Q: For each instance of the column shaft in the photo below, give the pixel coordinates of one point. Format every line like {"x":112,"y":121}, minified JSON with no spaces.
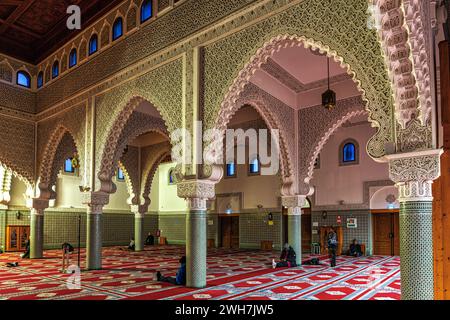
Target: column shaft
{"x":139,"y":232}
{"x":196,"y":248}
{"x":36,"y":234}
{"x":295,"y":234}
{"x":94,"y":241}
{"x":416,"y":254}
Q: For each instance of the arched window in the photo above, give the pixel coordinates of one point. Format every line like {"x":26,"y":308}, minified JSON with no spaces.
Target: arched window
{"x":171,"y":176}
{"x":40,"y":79}
{"x":120,"y":175}
{"x":23,"y":79}
{"x":117,"y":29}
{"x":68,"y":166}
{"x":93,"y":44}
{"x":231,"y":169}
{"x":254,"y":166}
{"x":146,"y":10}
{"x":55,"y":69}
{"x":73,"y":58}
{"x":349,"y":152}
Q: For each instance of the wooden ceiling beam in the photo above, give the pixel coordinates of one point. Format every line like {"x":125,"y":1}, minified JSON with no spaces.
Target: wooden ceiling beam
{"x":16,"y":14}
{"x":21,"y":29}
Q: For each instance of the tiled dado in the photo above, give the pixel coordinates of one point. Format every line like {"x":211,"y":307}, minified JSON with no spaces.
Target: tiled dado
{"x":60,"y":227}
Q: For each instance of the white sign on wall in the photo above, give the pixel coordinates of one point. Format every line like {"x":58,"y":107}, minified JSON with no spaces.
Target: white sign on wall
{"x":352,"y":223}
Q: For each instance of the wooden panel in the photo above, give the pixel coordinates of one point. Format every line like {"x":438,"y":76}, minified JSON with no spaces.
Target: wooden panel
{"x":306,"y":231}
{"x":16,"y":238}
{"x":230,"y":232}
{"x":324,"y":236}
{"x":382,"y":227}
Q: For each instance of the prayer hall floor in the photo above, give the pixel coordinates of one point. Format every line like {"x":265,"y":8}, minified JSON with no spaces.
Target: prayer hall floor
{"x":232,"y":274}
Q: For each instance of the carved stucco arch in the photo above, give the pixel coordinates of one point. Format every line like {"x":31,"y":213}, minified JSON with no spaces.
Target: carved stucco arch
{"x":128,"y":126}
{"x":17,"y":172}
{"x":60,"y":146}
{"x":263,"y":108}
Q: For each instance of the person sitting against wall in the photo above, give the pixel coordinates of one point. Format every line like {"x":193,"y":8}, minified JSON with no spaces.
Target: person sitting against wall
{"x":288,"y":258}
{"x":355,"y":249}
{"x":180,"y":279}
{"x":150,"y":239}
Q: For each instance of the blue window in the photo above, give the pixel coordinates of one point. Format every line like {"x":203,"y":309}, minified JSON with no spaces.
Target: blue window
{"x":73,"y":58}
{"x":146,"y":10}
{"x":231,"y":169}
{"x":23,"y":79}
{"x":68,"y":167}
{"x":55,"y":70}
{"x":40,"y":79}
{"x":349,"y":153}
{"x":120,"y":175}
{"x":117,"y":29}
{"x":93,"y":44}
{"x":171,"y":177}
{"x":254,"y":166}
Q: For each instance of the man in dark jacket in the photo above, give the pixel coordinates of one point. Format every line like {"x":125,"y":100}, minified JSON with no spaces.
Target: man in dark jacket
{"x":332,"y":246}
{"x":180,"y":279}
{"x":288,"y":258}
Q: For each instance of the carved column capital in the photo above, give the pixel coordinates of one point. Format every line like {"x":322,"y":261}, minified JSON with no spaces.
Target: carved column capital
{"x":95,"y":201}
{"x":38,"y":206}
{"x":413,"y":174}
{"x":293,"y":201}
{"x":196,"y":192}
{"x":139,"y":210}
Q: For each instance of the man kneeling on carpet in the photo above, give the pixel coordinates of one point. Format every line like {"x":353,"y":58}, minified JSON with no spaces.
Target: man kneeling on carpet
{"x":180,"y":279}
{"x":288,"y":258}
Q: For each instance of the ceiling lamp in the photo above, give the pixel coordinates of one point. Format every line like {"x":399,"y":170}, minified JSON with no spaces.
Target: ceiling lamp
{"x":329,"y":96}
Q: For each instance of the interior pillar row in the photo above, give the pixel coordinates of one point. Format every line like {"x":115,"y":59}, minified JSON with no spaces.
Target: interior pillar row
{"x":139,"y":216}
{"x":37,"y":228}
{"x":413,"y":174}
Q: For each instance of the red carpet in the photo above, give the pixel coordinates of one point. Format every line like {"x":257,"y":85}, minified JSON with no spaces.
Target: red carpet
{"x":232,"y":274}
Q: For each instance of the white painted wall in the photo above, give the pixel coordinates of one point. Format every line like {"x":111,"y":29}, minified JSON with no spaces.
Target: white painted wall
{"x":333,"y":182}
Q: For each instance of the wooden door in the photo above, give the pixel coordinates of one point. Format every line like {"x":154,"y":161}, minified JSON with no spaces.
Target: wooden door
{"x":386,"y":233}
{"x":230,"y":232}
{"x":306,"y":230}
{"x":16,"y":238}
{"x":324,"y":231}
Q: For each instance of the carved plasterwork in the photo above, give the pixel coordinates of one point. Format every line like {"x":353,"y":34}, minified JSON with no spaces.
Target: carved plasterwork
{"x":297,"y":201}
{"x":230,"y":62}
{"x":60,"y":146}
{"x":414,"y":173}
{"x":316,"y":126}
{"x":129,"y":126}
{"x":129,"y":163}
{"x":95,"y":201}
{"x":200,"y":189}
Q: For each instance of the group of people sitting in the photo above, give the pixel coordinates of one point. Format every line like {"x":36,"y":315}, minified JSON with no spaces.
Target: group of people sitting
{"x":150,"y":241}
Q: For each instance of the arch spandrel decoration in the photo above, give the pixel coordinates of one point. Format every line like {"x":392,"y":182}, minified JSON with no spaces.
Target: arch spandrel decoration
{"x":61,"y":145}
{"x":230,"y":62}
{"x":318,"y":126}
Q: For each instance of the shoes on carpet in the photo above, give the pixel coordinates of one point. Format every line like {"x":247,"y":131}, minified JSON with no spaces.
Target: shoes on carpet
{"x":158,"y":276}
{"x":12,"y":264}
{"x":274,"y":264}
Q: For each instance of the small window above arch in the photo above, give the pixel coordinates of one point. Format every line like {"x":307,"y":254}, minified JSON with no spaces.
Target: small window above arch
{"x":171,"y":177}
{"x":117,"y":29}
{"x":40,"y":79}
{"x":146,"y":10}
{"x":93,"y":44}
{"x":23,"y":79}
{"x":68,"y":166}
{"x":231,"y":170}
{"x":120,"y":175}
{"x":73,"y":58}
{"x":349,"y":153}
{"x":55,"y":69}
{"x":254,"y":167}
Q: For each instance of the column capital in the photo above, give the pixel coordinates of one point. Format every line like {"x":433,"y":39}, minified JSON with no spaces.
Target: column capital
{"x":95,"y":201}
{"x":139,"y":210}
{"x":293,"y":201}
{"x":38,"y":205}
{"x":414,"y":172}
{"x":201,"y":189}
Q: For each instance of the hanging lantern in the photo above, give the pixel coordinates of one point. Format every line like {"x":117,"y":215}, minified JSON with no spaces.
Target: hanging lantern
{"x":75,"y":161}
{"x":329,"y":96}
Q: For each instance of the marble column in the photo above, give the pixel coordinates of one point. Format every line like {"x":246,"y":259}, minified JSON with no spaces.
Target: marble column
{"x":37,"y":228}
{"x":413,"y":174}
{"x":196,"y":192}
{"x":294,"y":205}
{"x":139,"y":215}
{"x":95,"y":202}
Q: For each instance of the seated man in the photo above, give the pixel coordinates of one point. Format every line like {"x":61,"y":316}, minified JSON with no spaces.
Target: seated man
{"x":150,"y":239}
{"x":181,"y":274}
{"x":288,"y":258}
{"x":132,"y":245}
{"x":355,"y":249}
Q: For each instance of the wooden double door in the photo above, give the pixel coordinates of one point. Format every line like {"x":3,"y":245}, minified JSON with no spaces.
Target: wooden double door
{"x":386,"y":233}
{"x":229,"y":230}
{"x":16,"y":238}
